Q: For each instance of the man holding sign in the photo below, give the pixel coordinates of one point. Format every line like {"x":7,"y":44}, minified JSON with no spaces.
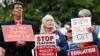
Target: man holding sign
{"x":20,"y":47}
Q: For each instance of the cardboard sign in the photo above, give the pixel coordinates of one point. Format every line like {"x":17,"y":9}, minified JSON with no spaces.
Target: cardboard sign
{"x":79,"y":30}
{"x":87,"y":51}
{"x":17,"y":32}
{"x":45,"y":45}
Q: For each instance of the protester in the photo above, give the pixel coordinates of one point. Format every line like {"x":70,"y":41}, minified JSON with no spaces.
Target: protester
{"x":48,"y":26}
{"x":94,"y":29}
{"x":22,"y":47}
{"x":85,"y":13}
{"x":68,"y":35}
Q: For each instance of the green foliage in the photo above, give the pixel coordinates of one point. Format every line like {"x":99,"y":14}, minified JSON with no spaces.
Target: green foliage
{"x":61,"y":10}
{"x":96,"y":11}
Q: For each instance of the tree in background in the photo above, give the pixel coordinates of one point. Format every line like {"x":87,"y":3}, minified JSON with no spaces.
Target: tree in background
{"x":96,"y":12}
{"x":62,"y":10}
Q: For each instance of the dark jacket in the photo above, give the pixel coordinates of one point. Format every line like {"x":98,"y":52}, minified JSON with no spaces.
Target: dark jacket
{"x":61,"y":42}
{"x":11,"y":50}
{"x":96,"y":37}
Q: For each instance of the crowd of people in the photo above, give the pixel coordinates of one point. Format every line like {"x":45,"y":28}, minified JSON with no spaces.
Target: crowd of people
{"x":48,"y":26}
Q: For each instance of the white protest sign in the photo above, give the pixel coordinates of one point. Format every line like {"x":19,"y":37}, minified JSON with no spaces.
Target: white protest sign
{"x":45,"y":45}
{"x":79,"y":29}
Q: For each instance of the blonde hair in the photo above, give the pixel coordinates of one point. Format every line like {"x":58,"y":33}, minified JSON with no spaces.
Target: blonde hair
{"x":42,"y":30}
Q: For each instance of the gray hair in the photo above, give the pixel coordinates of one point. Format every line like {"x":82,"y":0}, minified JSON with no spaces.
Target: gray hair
{"x":42,"y":30}
{"x":84,"y":11}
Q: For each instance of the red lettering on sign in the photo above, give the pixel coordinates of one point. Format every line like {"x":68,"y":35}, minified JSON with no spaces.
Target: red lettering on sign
{"x":44,"y":38}
{"x":81,"y":28}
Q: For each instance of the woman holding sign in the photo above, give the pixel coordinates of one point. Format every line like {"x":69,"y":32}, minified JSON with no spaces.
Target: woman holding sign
{"x":95,"y":29}
{"x":49,"y":26}
{"x":85,"y":13}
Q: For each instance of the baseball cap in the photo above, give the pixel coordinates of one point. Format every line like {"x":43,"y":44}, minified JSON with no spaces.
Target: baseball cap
{"x":69,"y":30}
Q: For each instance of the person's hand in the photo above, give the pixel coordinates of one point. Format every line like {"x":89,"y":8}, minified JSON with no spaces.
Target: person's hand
{"x":80,"y":46}
{"x":2,"y":51}
{"x":34,"y":48}
{"x":58,"y":48}
{"x":20,"y":43}
{"x":90,"y":29}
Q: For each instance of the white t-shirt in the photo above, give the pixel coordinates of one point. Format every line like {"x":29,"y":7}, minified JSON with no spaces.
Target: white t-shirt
{"x":69,"y":42}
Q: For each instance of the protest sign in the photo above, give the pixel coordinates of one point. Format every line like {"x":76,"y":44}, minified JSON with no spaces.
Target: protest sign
{"x":45,"y":45}
{"x":17,"y":32}
{"x":79,"y":30}
{"x":87,"y":51}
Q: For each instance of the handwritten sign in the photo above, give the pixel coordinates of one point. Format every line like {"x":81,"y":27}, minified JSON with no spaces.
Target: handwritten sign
{"x":45,"y":45}
{"x":87,"y":51}
{"x":79,"y":30}
{"x":17,"y":32}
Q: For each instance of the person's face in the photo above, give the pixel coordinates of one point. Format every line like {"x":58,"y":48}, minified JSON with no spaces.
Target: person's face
{"x":49,"y":23}
{"x":17,"y":11}
{"x":83,"y":15}
{"x":69,"y":34}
